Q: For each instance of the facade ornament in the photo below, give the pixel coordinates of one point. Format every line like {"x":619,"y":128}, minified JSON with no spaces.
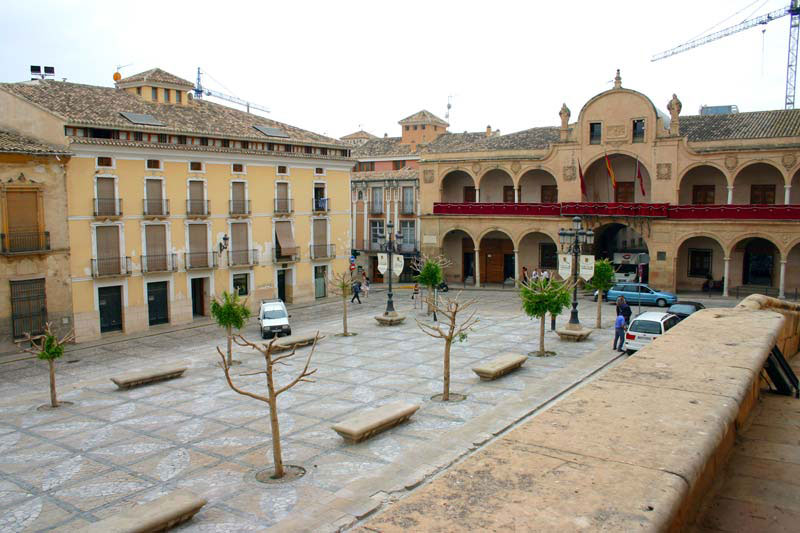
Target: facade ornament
{"x":674,"y":107}
{"x":515,"y":167}
{"x":615,"y":131}
{"x":788,"y":161}
{"x":476,"y":167}
{"x":731,"y":162}
{"x":427,"y":176}
{"x":569,"y":173}
{"x":664,"y":171}
{"x":618,"y":81}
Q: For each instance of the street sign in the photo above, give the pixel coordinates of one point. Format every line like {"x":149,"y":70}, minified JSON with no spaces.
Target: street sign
{"x":352,"y":267}
{"x":383,"y":263}
{"x":586,"y":267}
{"x":352,"y":259}
{"x":397,"y":264}
{"x":565,"y":265}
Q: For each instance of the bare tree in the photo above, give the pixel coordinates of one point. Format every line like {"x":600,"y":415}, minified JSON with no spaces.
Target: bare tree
{"x":342,"y":284}
{"x":267,"y":350}
{"x":47,"y":347}
{"x":449,"y":310}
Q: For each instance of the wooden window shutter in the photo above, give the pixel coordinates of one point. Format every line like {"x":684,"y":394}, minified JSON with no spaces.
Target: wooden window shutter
{"x":237,"y":189}
{"x":283,"y":191}
{"x":156,"y":236}
{"x":320,"y":231}
{"x":239,"y":236}
{"x":107,"y":242}
{"x":153,"y":189}
{"x":198,"y":238}
{"x":196,"y":190}
{"x":105,"y":188}
{"x":23,"y":211}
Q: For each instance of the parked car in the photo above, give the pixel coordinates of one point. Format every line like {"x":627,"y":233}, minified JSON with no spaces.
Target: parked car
{"x":646,"y":327}
{"x":684,"y":309}
{"x":274,"y":319}
{"x":633,"y":292}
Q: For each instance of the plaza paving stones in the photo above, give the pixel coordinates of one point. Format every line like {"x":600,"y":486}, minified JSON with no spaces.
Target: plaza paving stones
{"x":63,"y":468}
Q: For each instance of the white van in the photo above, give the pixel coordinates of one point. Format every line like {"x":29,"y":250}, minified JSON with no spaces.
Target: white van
{"x":646,"y":327}
{"x":274,"y":319}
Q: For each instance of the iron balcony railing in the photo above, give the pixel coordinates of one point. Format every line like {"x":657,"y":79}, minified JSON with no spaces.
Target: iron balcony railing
{"x":108,"y":207}
{"x":195,"y":260}
{"x":242,"y":257}
{"x":111,"y":266}
{"x":407,"y":247}
{"x":283,"y":205}
{"x":160,"y":263}
{"x":323,"y":251}
{"x":320,"y":205}
{"x":197,"y":208}
{"x":155,"y":208}
{"x":286,"y":255}
{"x":24,"y":242}
{"x":239,"y":207}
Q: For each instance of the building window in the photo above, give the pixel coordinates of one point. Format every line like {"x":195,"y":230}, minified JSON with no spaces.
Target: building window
{"x":423,"y":126}
{"x":375,"y":232}
{"x":407,"y":230}
{"x":178,"y":97}
{"x":154,"y":94}
{"x":594,"y":132}
{"x":154,"y":164}
{"x":407,"y":128}
{"x":762,"y":194}
{"x":624,"y":193}
{"x":308,"y":150}
{"x":469,"y":194}
{"x":282,"y":170}
{"x":238,"y":168}
{"x":638,"y":131}
{"x":105,"y":162}
{"x":181,"y":139}
{"x":415,"y":127}
{"x":397,"y":165}
{"x":166,"y":95}
{"x":548,"y":255}
{"x":203,"y":141}
{"x":226,"y":143}
{"x":240,"y":284}
{"x":137,"y":136}
{"x":163,"y":138}
{"x":368,"y":166}
{"x":245,"y":145}
{"x":324,"y":151}
{"x":408,"y":200}
{"x":319,"y":171}
{"x":549,"y":194}
{"x":703,"y":194}
{"x":139,"y":91}
{"x":377,"y":200}
{"x":699,"y":263}
{"x":196,"y":166}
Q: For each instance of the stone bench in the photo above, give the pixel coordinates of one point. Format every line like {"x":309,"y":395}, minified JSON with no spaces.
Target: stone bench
{"x":134,"y":379}
{"x":364,"y":425}
{"x":499,"y":366}
{"x":286,"y":343}
{"x":158,"y":515}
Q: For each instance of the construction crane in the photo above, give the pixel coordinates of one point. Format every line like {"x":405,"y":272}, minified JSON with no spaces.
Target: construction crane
{"x":793,"y":10}
{"x":199,"y":91}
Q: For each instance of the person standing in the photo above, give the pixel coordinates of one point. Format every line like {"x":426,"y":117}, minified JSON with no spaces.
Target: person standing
{"x":546,"y":275}
{"x":356,"y":292}
{"x":365,"y":285}
{"x":624,"y":309}
{"x":535,"y":275}
{"x":524,"y":274}
{"x":619,"y":333}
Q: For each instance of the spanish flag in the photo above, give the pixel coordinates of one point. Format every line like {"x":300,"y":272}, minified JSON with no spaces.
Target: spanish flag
{"x":610,"y":172}
{"x":583,"y":181}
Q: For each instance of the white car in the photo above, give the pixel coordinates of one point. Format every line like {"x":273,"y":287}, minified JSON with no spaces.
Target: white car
{"x":646,"y":327}
{"x":274,"y":319}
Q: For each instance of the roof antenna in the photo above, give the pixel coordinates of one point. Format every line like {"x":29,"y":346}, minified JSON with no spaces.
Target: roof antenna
{"x":449,"y":105}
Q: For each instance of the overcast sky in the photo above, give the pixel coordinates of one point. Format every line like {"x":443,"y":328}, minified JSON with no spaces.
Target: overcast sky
{"x":335,"y":67}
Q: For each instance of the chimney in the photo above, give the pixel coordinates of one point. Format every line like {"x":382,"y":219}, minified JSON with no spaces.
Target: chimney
{"x":488,"y":131}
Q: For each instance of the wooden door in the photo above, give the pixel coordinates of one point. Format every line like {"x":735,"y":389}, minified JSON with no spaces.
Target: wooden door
{"x":508,"y":194}
{"x":624,"y":192}
{"x":469,"y":194}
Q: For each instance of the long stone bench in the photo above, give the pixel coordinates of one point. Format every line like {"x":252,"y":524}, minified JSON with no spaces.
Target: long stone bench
{"x":499,"y":366}
{"x":637,"y":449}
{"x":284,"y":344}
{"x":134,"y":379}
{"x":364,"y":425}
{"x":160,"y":514}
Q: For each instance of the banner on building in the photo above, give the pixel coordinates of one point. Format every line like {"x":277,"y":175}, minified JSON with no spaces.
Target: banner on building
{"x":565,"y":266}
{"x":586,"y":270}
{"x":383,"y":263}
{"x":398,"y":262}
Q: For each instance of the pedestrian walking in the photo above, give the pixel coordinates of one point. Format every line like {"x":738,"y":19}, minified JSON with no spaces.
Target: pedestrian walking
{"x":619,"y":333}
{"x":356,"y":292}
{"x":546,"y":275}
{"x":415,"y":292}
{"x":365,"y":285}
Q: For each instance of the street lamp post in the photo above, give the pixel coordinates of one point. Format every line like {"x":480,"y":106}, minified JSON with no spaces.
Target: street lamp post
{"x":571,"y":241}
{"x":390,"y":247}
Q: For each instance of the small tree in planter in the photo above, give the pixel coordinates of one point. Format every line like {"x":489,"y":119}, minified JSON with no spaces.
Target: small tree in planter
{"x":602,"y":280}
{"x":273,"y":391}
{"x":430,"y":274}
{"x":47,"y":347}
{"x":230,"y":312}
{"x":342,"y":284}
{"x":540,"y":297}
{"x":449,"y":309}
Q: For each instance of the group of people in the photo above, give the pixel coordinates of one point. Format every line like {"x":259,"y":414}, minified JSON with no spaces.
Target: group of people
{"x":621,"y":323}
{"x":536,"y":275}
{"x":359,"y":287}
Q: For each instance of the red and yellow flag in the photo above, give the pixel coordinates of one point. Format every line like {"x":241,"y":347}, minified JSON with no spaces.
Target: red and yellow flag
{"x":610,"y":172}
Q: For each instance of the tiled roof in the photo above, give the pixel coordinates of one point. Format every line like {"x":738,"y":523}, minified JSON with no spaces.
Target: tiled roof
{"x":360,"y":134}
{"x":386,"y":147}
{"x":158,"y":76}
{"x":19,"y":144}
{"x":531,"y":139}
{"x":425,"y":117}
{"x":377,"y":175}
{"x":752,"y":125}
{"x":96,"y":106}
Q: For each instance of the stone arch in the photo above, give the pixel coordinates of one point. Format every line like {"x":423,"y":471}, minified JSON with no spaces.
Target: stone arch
{"x":754,"y":260}
{"x":460,"y":253}
{"x":711,"y":235}
{"x":698,"y":256}
{"x":717,"y":166}
{"x":534,"y":166}
{"x":537,"y":249}
{"x":496,"y":258}
{"x":493,"y":184}
{"x":458,"y":228}
{"x":750,"y":235}
{"x":598,"y":186}
{"x":693,"y":176}
{"x":553,"y":236}
{"x":487,"y":231}
{"x":757,"y":173}
{"x":532,"y":184}
{"x":453,"y":184}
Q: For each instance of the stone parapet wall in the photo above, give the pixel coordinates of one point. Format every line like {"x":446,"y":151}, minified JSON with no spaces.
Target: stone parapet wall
{"x":635,"y":450}
{"x":789,"y":337}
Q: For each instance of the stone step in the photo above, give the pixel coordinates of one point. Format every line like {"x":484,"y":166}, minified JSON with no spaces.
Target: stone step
{"x":366,"y":424}
{"x":499,"y":366}
{"x":160,"y":514}
{"x":134,"y":379}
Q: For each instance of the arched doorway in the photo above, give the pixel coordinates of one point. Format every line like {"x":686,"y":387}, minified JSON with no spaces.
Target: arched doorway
{"x":496,"y":186}
{"x":458,"y":187}
{"x":538,"y":186}
{"x":699,"y":259}
{"x":496,"y":258}
{"x":792,"y":283}
{"x":459,"y":248}
{"x":537,"y":251}
{"x":628,"y":190}
{"x":794,"y":193}
{"x":758,"y":183}
{"x":703,"y":185}
{"x":755,"y":261}
{"x":625,"y":247}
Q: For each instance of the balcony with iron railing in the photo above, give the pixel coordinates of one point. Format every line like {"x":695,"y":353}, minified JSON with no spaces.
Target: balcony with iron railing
{"x":320,"y":205}
{"x":160,"y":263}
{"x":286,"y":255}
{"x":322,"y":251}
{"x":242,"y":257}
{"x":155,"y":208}
{"x":407,"y":246}
{"x":24,"y":242}
{"x":283,"y":206}
{"x":239,"y":208}
{"x":111,"y":266}
{"x":197,"y":208}
{"x":107,"y":207}
{"x":200,"y":260}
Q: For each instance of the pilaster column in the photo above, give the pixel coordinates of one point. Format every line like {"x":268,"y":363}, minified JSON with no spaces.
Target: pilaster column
{"x":787,"y":193}
{"x":730,"y":194}
{"x":353,"y":223}
{"x":726,"y":276}
{"x":477,"y":268}
{"x":477,"y":194}
{"x":397,"y":210}
{"x":366,"y":238}
{"x":516,"y":195}
{"x":516,"y":267}
{"x":782,"y":286}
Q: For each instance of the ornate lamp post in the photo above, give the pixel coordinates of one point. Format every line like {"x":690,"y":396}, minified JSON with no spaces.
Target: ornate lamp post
{"x":389,"y":245}
{"x":571,"y":241}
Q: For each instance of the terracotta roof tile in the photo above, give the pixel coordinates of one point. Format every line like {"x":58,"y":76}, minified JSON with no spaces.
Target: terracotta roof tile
{"x":402,"y":174}
{"x":19,"y":144}
{"x":158,"y":76}
{"x":425,"y":117}
{"x":751,"y":125}
{"x":531,"y":139}
{"x":360,"y":134}
{"x":385,"y":147}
